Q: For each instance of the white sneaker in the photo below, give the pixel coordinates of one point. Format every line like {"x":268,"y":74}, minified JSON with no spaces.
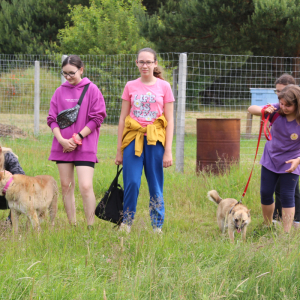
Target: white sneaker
{"x":276,"y":222}
{"x":124,"y":227}
{"x":296,"y":225}
{"x":157,"y":230}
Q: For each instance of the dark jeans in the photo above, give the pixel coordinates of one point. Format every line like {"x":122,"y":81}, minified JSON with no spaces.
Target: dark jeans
{"x":3,"y":203}
{"x":278,"y":208}
{"x":268,"y":183}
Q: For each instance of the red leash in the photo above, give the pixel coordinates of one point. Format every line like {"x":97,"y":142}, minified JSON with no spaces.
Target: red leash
{"x":263,"y":122}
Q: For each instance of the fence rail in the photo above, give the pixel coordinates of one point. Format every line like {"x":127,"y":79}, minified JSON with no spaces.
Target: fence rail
{"x":213,"y":86}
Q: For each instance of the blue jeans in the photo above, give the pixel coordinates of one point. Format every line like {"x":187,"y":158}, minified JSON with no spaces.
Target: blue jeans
{"x":288,"y":183}
{"x":152,"y":161}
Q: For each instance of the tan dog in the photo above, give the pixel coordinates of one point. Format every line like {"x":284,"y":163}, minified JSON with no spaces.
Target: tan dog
{"x":231,"y":214}
{"x":32,"y":196}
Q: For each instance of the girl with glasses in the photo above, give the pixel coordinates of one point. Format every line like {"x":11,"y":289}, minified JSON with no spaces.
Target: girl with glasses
{"x":76,"y":145}
{"x":145,"y":135}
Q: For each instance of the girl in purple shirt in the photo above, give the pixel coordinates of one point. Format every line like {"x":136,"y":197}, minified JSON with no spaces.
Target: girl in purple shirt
{"x":281,"y":156}
{"x":76,"y":145}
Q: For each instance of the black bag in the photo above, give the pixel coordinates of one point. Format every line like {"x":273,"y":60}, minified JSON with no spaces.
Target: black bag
{"x":68,"y":116}
{"x":110,"y":207}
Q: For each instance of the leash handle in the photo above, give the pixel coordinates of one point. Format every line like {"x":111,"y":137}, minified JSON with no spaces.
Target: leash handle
{"x":265,"y":121}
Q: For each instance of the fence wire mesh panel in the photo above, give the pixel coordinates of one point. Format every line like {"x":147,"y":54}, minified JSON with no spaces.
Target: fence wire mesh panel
{"x":109,"y":72}
{"x":217,"y":86}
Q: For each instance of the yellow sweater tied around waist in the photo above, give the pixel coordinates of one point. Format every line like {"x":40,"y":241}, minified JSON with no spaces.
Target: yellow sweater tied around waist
{"x":133,"y":130}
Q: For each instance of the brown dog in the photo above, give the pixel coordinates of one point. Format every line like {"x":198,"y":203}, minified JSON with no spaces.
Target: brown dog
{"x":32,"y":196}
{"x":231,"y":214}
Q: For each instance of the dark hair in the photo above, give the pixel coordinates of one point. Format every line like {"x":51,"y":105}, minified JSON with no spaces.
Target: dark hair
{"x":73,"y":60}
{"x":157,"y":72}
{"x":285,"y":79}
{"x":291,"y":94}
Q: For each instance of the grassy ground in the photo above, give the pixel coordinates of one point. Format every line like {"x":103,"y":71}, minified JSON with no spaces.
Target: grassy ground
{"x":190,"y":260}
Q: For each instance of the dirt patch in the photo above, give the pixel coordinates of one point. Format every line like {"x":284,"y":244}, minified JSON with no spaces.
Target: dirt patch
{"x":11,"y":131}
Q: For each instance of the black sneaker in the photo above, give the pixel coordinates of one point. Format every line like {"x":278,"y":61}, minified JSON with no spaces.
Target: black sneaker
{"x":8,"y":219}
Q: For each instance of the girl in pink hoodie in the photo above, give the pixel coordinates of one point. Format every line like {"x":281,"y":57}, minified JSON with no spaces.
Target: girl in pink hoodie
{"x":76,"y":145}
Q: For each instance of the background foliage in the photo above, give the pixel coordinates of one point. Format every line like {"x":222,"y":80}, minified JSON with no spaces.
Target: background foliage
{"x":263,"y":27}
{"x":106,"y":27}
{"x":258,"y":27}
{"x":31,"y":26}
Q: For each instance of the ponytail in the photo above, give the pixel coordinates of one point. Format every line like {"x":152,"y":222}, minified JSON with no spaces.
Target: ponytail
{"x":157,"y":72}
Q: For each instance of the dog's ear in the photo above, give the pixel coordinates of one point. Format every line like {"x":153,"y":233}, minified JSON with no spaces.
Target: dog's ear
{"x":249,"y":212}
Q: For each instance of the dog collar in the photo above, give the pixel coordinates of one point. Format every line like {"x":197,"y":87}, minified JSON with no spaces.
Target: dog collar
{"x":7,"y":185}
{"x":234,"y":206}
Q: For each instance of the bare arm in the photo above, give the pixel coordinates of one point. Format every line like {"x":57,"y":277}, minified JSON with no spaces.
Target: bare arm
{"x":256,"y":110}
{"x":125,"y":110}
{"x":167,"y":158}
{"x":84,"y":132}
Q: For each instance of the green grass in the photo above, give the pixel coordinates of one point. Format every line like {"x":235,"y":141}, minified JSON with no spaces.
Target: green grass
{"x":190,"y":260}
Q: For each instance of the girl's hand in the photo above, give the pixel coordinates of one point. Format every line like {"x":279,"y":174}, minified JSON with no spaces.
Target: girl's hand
{"x":295,"y":162}
{"x":68,"y":145}
{"x":270,"y":109}
{"x":6,"y":172}
{"x":119,"y":158}
{"x":167,"y":159}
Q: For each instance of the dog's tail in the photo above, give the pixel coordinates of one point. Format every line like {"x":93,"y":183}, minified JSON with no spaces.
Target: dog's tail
{"x":214,"y":196}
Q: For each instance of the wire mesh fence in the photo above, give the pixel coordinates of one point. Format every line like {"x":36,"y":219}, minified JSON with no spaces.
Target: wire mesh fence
{"x":217,"y":86}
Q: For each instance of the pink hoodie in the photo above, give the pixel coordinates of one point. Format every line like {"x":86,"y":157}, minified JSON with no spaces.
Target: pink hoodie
{"x":91,"y":114}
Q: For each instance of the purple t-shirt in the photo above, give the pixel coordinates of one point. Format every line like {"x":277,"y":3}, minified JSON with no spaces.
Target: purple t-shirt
{"x":285,"y":145}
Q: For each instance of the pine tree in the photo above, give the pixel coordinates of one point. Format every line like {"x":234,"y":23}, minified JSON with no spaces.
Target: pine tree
{"x":31,"y":26}
{"x":261,"y":27}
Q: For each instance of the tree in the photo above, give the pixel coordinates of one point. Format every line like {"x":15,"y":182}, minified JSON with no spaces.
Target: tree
{"x":264,"y":27}
{"x":30,"y":26}
{"x":106,"y":27}
{"x":152,"y":6}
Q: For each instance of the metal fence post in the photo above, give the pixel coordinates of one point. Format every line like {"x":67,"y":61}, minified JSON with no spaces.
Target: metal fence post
{"x":175,"y":93}
{"x":181,"y":112}
{"x":63,"y":79}
{"x":36,"y":98}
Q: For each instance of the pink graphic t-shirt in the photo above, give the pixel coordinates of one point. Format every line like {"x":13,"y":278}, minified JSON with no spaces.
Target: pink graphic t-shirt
{"x":147,"y":101}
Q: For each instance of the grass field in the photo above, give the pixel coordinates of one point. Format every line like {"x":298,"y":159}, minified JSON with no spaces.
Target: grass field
{"x":190,"y":260}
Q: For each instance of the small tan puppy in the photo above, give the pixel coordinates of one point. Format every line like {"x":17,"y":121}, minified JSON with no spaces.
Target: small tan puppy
{"x":32,"y":196}
{"x":231,"y":214}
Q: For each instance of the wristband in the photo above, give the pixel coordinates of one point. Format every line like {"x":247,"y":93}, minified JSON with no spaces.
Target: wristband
{"x":75,"y":140}
{"x":80,"y":135}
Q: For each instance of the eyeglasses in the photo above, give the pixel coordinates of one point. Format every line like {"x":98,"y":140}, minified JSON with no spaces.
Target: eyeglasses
{"x":71,"y":74}
{"x":148,"y":63}
{"x":277,"y":91}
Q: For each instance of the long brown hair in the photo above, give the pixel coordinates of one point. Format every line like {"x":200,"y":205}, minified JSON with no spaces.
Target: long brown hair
{"x":157,"y":72}
{"x":291,"y":94}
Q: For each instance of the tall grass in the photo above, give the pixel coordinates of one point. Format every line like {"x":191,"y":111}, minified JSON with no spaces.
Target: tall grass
{"x":190,"y":260}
